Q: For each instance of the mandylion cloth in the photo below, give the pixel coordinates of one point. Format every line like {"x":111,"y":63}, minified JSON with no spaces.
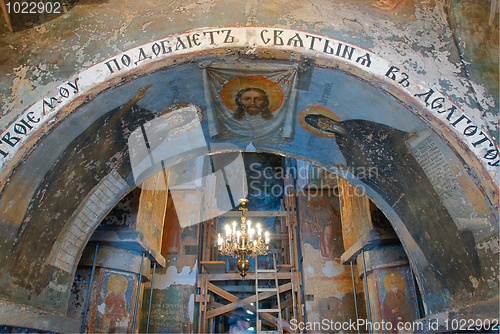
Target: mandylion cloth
{"x":250,"y":101}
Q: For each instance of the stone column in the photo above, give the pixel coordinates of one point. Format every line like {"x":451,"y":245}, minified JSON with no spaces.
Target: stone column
{"x":375,"y":249}
{"x":115,"y":288}
{"x":126,"y":248}
{"x":391,"y":289}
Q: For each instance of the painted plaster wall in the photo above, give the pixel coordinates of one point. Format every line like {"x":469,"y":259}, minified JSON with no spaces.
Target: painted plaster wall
{"x":420,"y":36}
{"x":102,"y":134}
{"x":36,"y":60}
{"x":328,"y":286}
{"x":172,"y":303}
{"x":416,"y":34}
{"x":400,"y":30}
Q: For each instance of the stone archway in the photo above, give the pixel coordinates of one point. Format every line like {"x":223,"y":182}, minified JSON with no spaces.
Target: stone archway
{"x":66,"y":160}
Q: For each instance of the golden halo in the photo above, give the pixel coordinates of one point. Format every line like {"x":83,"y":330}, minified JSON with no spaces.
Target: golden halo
{"x":117,"y":283}
{"x":232,"y":88}
{"x":396,"y":278}
{"x":318,"y":110}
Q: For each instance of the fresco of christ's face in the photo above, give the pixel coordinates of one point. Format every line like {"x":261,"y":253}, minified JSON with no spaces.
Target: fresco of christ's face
{"x":253,"y":102}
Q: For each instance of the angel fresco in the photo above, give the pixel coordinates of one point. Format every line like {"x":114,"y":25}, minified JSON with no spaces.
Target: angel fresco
{"x":400,"y":180}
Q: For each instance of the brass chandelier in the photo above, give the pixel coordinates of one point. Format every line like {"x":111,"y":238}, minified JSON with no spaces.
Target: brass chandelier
{"x":239,"y":243}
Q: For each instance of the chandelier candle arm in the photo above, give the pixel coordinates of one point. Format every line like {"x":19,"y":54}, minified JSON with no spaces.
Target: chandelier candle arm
{"x":239,"y":244}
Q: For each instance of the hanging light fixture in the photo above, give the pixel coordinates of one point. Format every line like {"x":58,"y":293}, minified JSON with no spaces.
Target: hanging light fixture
{"x":244,"y":241}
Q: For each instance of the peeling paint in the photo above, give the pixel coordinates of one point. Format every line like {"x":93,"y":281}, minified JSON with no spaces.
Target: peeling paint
{"x":415,"y":34}
{"x":185,"y":277}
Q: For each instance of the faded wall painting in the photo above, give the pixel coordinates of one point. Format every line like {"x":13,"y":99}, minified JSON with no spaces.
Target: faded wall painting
{"x":170,"y":310}
{"x":250,"y":103}
{"x":112,"y":311}
{"x":179,"y":244}
{"x":476,"y":28}
{"x":392,"y":296}
{"x":321,"y":178}
{"x":396,"y":306}
{"x":327,"y":283}
{"x":321,"y":225}
{"x":378,"y":154}
{"x":353,"y":132}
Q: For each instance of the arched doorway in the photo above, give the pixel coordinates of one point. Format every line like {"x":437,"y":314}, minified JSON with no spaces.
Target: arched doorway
{"x":328,"y":111}
{"x":320,"y":226}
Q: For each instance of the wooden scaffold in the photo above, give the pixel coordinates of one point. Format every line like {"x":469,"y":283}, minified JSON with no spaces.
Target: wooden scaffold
{"x":221,"y":292}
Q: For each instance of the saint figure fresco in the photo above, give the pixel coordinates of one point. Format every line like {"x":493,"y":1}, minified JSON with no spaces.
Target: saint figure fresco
{"x":396,"y":306}
{"x":323,"y":222}
{"x":401,"y":181}
{"x":116,"y":317}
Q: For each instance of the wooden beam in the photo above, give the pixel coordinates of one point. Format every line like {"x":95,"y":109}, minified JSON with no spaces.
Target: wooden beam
{"x":223,"y":293}
{"x":254,"y":214}
{"x":248,"y":289}
{"x":214,"y":304}
{"x":203,"y":306}
{"x":236,"y":302}
{"x":285,"y":287}
{"x":6,"y":15}
{"x":244,"y":303}
{"x":284,"y":268}
{"x":214,"y":267}
{"x":286,"y":303}
{"x":235,"y":276}
{"x":240,"y":288}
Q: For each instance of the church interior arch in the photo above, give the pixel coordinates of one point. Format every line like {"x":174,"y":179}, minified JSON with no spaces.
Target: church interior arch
{"x":325,"y":103}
